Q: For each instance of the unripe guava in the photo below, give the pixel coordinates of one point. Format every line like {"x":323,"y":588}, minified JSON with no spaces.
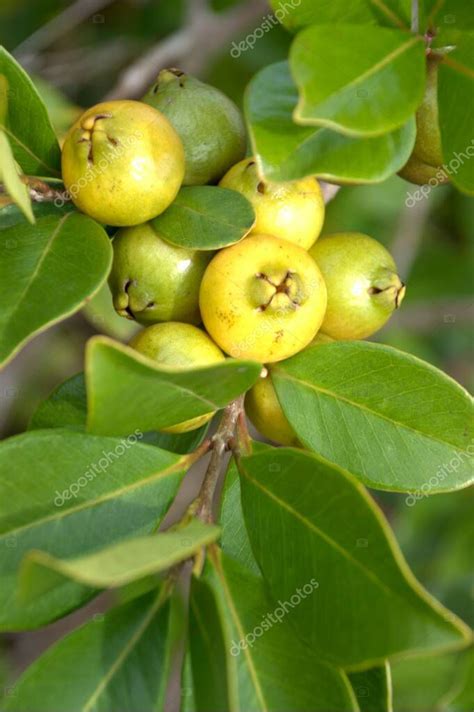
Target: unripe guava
{"x":152,"y":280}
{"x":264,"y":410}
{"x":210,"y":125}
{"x":292,"y":211}
{"x":362,"y":284}
{"x":181,"y":347}
{"x":426,"y":161}
{"x":265,"y":413}
{"x":122,"y":163}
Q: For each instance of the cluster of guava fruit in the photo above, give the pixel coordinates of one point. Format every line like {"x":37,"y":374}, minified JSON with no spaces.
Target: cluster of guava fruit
{"x":278,"y":291}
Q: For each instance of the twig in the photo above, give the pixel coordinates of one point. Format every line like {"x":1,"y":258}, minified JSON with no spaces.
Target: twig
{"x":221,"y":442}
{"x":72,"y":16}
{"x":41,"y":192}
{"x":204,"y":33}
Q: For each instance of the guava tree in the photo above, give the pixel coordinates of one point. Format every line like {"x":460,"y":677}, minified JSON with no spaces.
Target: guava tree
{"x":285,"y":588}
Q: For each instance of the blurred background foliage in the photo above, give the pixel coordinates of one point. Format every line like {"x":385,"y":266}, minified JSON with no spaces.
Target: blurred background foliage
{"x":432,"y":241}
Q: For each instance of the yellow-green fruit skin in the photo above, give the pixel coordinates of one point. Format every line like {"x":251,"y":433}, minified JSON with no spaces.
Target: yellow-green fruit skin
{"x":425,"y":163}
{"x":362,"y":284}
{"x":181,"y":347}
{"x":153,"y":281}
{"x":292,"y":211}
{"x":210,"y":125}
{"x":265,"y":413}
{"x":122,"y":163}
{"x":262,"y":299}
{"x":415,"y":171}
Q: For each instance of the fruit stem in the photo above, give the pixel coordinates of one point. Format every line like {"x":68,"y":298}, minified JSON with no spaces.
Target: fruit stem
{"x":221,"y":443}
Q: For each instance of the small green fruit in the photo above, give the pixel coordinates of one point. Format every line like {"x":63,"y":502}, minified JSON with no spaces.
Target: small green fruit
{"x":426,"y":160}
{"x":209,"y":124}
{"x":154,"y":281}
{"x":292,"y":211}
{"x":181,"y":347}
{"x":264,"y":410}
{"x":265,"y":413}
{"x":122,"y":163}
{"x":362,"y":284}
{"x":415,"y":171}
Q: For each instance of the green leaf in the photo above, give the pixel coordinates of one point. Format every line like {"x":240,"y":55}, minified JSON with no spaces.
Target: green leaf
{"x":47,"y":272}
{"x":449,"y":14}
{"x":9,"y":173}
{"x":287,"y":151}
{"x":300,"y":14}
{"x":66,"y":407}
{"x":462,"y":696}
{"x":456,"y":112}
{"x":11,"y":215}
{"x":358,"y":80}
{"x":420,"y":684}
{"x":115,"y":565}
{"x":115,"y":662}
{"x":373,"y":689}
{"x":245,"y":655}
{"x":181,"y":443}
{"x":28,"y":127}
{"x":71,"y":494}
{"x":392,"y":420}
{"x":10,"y":178}
{"x":127,"y":390}
{"x":206,"y":217}
{"x":235,"y":542}
{"x":188,"y":703}
{"x":307,"y":519}
{"x":310,"y":12}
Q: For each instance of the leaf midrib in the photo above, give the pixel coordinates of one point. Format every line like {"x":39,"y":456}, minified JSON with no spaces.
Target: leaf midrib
{"x":28,"y":150}
{"x":171,"y":470}
{"x":47,"y":248}
{"x":390,"y":14}
{"x":124,"y":653}
{"x":71,"y":568}
{"x":238,"y":624}
{"x":376,"y":414}
{"x":302,"y":103}
{"x":329,"y":540}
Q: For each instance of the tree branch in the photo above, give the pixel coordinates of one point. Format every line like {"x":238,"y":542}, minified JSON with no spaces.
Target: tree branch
{"x":72,"y":16}
{"x":204,"y":33}
{"x":221,"y":443}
